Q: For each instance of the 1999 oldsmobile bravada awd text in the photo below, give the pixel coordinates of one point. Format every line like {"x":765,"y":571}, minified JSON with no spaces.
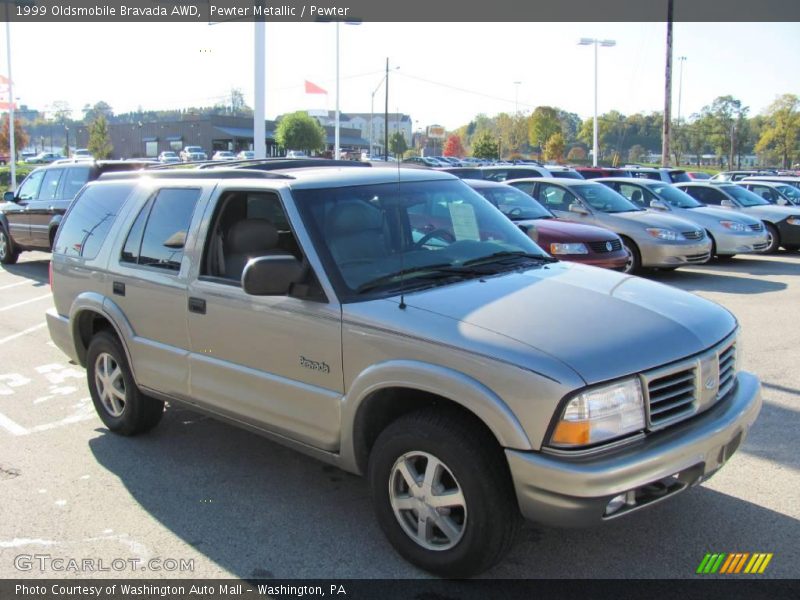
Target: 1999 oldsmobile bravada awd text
{"x":468,"y":374}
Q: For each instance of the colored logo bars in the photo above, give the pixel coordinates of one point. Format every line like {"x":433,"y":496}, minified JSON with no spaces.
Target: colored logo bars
{"x":731,"y":564}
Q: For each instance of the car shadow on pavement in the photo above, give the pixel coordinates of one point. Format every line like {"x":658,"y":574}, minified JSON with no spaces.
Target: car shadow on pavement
{"x":709,"y":281}
{"x":259,"y":510}
{"x":32,"y":269}
{"x":772,"y":435}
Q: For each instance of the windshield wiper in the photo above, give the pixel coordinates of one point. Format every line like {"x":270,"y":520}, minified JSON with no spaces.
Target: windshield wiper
{"x":427,"y":272}
{"x":507,"y":255}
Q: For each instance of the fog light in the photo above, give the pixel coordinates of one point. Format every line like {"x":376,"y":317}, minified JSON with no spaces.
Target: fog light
{"x":615,"y":504}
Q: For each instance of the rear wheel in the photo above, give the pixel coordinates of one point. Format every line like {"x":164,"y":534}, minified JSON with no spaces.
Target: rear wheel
{"x":8,"y":255}
{"x":117,"y":399}
{"x":442,"y":493}
{"x":773,"y":239}
{"x":791,"y":247}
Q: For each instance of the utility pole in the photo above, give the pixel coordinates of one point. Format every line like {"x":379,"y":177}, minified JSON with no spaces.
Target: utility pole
{"x":386,"y":117}
{"x":680,"y":87}
{"x":667,"y":91}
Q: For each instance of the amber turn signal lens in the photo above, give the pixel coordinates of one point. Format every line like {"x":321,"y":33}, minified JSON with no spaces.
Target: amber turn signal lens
{"x":571,"y":433}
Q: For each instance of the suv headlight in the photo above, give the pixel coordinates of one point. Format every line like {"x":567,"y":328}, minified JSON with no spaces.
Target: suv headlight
{"x":601,"y":414}
{"x":793,"y":220}
{"x":734,"y":226}
{"x":666,"y":234}
{"x":568,"y":249}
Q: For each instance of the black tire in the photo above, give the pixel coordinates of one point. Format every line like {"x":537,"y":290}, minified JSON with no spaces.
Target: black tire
{"x":8,"y":254}
{"x":474,"y":464}
{"x":791,"y":247}
{"x":131,"y":414}
{"x":773,"y":237}
{"x":634,"y":264}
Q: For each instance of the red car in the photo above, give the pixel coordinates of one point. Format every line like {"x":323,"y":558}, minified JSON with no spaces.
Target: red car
{"x":585,"y":244}
{"x":597,"y":172}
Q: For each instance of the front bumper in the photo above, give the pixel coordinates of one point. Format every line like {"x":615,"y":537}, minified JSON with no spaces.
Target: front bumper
{"x":728,"y":243}
{"x":674,"y":254}
{"x":789,"y":234}
{"x":575,"y":491}
{"x":611,"y":260}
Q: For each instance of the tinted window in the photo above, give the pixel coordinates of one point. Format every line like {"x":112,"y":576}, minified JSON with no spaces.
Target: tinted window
{"x":165,"y":230}
{"x":604,"y":199}
{"x":706,"y":195}
{"x":745,"y":197}
{"x":675,"y":197}
{"x":89,"y":219}
{"x":133,"y":243}
{"x":636,"y":194}
{"x":49,"y":187}
{"x":555,"y":197}
{"x":29,"y":189}
{"x":566,"y":175}
{"x":515,"y":204}
{"x":678,"y":176}
{"x":74,"y":180}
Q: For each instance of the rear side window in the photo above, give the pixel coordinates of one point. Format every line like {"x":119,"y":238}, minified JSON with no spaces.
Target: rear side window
{"x":679,"y":177}
{"x":89,"y":219}
{"x":158,"y":235}
{"x":74,"y":180}
{"x":49,"y":189}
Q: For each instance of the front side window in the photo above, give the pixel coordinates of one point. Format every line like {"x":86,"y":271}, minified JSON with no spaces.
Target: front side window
{"x":745,"y":197}
{"x":636,"y":194}
{"x":675,"y":196}
{"x":554,"y":197}
{"x":158,"y":234}
{"x":29,"y":190}
{"x":378,"y":239}
{"x":89,"y":219}
{"x":603,"y":198}
{"x":515,"y":204}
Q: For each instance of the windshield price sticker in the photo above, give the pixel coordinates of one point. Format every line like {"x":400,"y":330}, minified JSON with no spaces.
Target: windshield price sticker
{"x":465,"y":223}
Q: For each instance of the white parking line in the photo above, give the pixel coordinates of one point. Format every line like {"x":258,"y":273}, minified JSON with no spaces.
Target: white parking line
{"x":12,"y":427}
{"x":25,"y":282}
{"x":21,"y":333}
{"x":10,"y":306}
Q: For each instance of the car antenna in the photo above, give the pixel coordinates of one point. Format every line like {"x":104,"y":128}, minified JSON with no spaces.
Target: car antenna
{"x":402,"y":305}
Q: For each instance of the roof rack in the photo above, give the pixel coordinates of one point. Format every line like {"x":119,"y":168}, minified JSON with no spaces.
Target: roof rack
{"x":280,"y":163}
{"x":194,"y":174}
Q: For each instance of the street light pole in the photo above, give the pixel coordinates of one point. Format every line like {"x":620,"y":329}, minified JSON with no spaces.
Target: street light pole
{"x":386,"y":117}
{"x":12,"y":151}
{"x":605,"y":44}
{"x":516,"y":97}
{"x":336,"y":151}
{"x":259,"y":76}
{"x":680,"y":87}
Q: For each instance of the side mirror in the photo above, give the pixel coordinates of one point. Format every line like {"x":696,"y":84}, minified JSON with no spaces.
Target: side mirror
{"x":658,"y":205}
{"x":272,"y":275}
{"x":578,"y":209}
{"x":9,"y":197}
{"x":727,"y":204}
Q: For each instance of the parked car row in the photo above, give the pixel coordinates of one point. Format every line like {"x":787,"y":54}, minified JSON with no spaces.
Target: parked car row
{"x":396,"y":324}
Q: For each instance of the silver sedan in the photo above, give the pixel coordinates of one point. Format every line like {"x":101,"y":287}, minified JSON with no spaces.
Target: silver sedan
{"x":730,"y":233}
{"x":652,"y":240}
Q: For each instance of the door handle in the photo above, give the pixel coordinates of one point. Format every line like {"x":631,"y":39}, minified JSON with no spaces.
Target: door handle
{"x":197,"y":305}
{"x":118,"y":288}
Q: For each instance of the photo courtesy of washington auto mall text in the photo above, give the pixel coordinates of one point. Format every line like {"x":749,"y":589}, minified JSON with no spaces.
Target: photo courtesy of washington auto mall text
{"x":201,"y":590}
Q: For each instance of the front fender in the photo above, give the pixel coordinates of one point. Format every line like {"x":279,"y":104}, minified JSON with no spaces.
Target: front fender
{"x":453,"y":385}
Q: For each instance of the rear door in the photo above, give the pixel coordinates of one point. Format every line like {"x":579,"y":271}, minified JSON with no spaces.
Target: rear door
{"x":41,"y":210}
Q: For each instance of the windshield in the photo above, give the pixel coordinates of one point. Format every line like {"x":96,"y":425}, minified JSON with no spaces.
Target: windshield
{"x":675,"y":197}
{"x":604,"y":199}
{"x":744,"y":197}
{"x":515,"y":204}
{"x":408,"y":235}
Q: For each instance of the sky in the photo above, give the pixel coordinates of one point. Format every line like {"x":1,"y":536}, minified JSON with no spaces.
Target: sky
{"x":441,"y":73}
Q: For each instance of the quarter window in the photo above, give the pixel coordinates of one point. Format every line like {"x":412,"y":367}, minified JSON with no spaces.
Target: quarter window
{"x":87,"y":223}
{"x":158,"y":235}
{"x":74,"y":180}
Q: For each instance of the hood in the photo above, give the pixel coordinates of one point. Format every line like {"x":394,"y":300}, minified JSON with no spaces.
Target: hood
{"x":772,"y":213}
{"x":568,"y":232}
{"x":648,"y":218}
{"x":599,"y":323}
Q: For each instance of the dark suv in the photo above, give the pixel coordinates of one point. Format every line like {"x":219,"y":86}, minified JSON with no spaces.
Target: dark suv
{"x":31,"y":215}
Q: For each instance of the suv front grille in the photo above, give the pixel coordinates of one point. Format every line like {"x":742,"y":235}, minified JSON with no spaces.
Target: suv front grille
{"x":672,"y":396}
{"x":693,"y":235}
{"x":677,"y":392}
{"x":603,"y":247}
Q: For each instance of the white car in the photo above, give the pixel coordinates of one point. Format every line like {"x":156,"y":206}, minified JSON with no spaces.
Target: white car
{"x":168,"y":156}
{"x":296,"y":154}
{"x":246,"y":155}
{"x":223,"y":155}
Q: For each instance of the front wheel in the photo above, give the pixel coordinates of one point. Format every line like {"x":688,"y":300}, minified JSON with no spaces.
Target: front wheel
{"x":634,"y":264}
{"x":773,"y":239}
{"x":117,"y":399}
{"x":442,"y":493}
{"x":8,"y":255}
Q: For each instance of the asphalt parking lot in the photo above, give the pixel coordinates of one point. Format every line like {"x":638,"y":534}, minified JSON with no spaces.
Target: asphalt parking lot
{"x":238,"y":505}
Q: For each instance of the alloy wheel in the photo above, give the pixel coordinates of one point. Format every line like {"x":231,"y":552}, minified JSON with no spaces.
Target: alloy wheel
{"x":110,"y":384}
{"x":427,"y":501}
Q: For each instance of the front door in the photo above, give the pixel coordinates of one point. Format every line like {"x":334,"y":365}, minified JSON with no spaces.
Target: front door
{"x":271,"y":361}
{"x":18,"y":218}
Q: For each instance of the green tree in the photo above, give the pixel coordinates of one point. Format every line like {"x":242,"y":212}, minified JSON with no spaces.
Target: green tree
{"x":576,"y":153}
{"x":298,"y":131}
{"x":636,"y":153}
{"x":781,"y":133}
{"x":542,"y":124}
{"x":554,"y":147}
{"x":397,"y":143}
{"x":99,"y":144}
{"x":20,"y":137}
{"x":484,"y":146}
{"x":90,"y":113}
{"x":720,"y":121}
